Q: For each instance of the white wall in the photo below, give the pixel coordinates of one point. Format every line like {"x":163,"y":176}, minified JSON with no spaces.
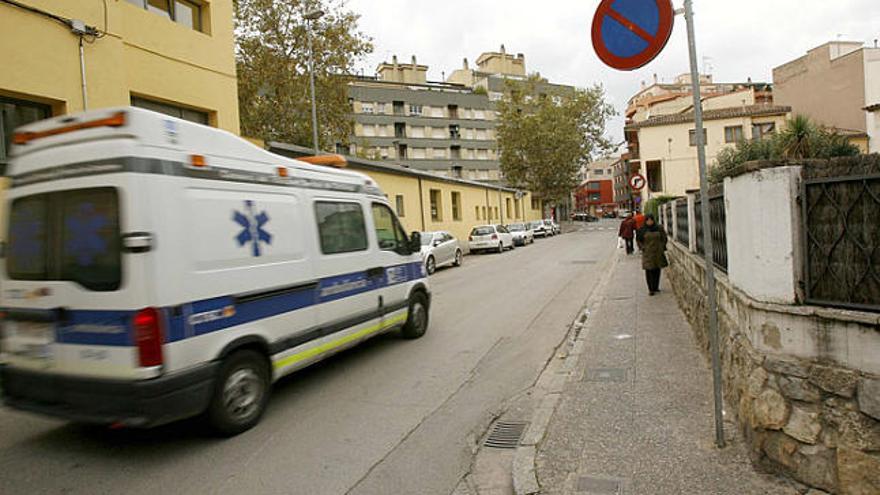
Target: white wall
{"x":763,"y":234}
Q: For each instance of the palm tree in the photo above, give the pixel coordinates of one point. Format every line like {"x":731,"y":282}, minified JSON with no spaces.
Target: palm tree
{"x":798,"y":140}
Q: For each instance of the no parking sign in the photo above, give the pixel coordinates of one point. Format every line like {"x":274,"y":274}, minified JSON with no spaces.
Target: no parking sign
{"x":627,"y":34}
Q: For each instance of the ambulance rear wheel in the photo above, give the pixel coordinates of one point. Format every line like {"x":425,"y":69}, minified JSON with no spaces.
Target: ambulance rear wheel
{"x":417,"y":320}
{"x":240,"y":393}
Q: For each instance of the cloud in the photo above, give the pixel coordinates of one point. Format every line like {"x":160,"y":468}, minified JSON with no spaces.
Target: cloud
{"x":739,"y":38}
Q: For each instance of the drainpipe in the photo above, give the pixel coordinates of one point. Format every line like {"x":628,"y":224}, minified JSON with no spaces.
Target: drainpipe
{"x":82,"y":69}
{"x":421,"y":205}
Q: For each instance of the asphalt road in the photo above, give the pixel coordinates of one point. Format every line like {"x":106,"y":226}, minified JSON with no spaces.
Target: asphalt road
{"x":390,"y":417}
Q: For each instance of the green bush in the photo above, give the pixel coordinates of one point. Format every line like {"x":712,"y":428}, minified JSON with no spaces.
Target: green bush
{"x":652,"y":206}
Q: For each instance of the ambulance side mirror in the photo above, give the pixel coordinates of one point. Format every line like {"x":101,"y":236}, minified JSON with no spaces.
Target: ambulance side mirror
{"x":138,"y":242}
{"x":415,"y":242}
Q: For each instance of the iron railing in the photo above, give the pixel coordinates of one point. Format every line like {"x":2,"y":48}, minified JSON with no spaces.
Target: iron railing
{"x":683,"y":234}
{"x":667,"y":214}
{"x":719,"y":229}
{"x":841,"y":236}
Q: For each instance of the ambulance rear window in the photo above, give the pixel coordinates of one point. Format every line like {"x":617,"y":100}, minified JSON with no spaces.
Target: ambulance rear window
{"x":67,"y":236}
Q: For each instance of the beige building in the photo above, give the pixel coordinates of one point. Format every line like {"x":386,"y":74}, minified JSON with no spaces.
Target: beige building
{"x":447,"y":128}
{"x":662,"y":138}
{"x":837,"y":85}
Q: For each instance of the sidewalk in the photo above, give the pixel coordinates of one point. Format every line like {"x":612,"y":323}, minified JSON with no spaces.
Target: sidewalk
{"x":636,"y":414}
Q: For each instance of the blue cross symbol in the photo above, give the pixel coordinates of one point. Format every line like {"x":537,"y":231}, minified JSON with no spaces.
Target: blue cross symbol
{"x":84,"y":240}
{"x":252,"y":228}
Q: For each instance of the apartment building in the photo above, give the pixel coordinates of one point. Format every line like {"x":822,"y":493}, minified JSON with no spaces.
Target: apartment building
{"x":661,"y":136}
{"x":443,"y":127}
{"x":837,"y":85}
{"x":173,"y":56}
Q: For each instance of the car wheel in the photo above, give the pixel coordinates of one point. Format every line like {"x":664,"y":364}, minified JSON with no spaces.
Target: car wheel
{"x":430,"y":265}
{"x":240,"y":393}
{"x":500,"y":247}
{"x":458,"y":258}
{"x":417,"y":321}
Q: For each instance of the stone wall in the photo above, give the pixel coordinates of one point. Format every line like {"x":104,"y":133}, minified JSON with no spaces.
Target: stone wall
{"x":803,"y":382}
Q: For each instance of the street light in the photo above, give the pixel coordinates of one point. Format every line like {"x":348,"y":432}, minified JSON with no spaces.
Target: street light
{"x":310,"y":17}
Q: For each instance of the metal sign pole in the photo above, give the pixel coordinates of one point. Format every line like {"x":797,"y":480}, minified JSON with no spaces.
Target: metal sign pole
{"x":707,"y":221}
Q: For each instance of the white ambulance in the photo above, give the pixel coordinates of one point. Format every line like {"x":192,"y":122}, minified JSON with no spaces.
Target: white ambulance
{"x":157,"y":269}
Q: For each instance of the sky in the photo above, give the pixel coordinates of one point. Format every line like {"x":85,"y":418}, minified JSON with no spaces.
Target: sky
{"x":736,"y":39}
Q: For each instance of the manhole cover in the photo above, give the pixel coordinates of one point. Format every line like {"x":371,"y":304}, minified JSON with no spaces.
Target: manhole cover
{"x":606,"y":375}
{"x":505,"y":435}
{"x":598,"y":486}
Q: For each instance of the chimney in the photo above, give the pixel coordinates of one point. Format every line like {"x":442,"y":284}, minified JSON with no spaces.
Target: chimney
{"x":750,"y":80}
{"x":520,"y":56}
{"x":875,"y":43}
{"x":466,"y":64}
{"x":394,"y":61}
{"x":414,"y":61}
{"x":655,"y":79}
{"x":503,"y":51}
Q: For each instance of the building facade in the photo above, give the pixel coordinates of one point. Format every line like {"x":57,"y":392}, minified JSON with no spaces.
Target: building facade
{"x":443,"y":127}
{"x":835,"y":84}
{"x":661,"y":136}
{"x":595,"y":194}
{"x":172,"y":56}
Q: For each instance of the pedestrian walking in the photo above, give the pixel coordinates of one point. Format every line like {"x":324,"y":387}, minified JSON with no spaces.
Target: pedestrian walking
{"x":652,"y":239}
{"x":627,"y":232}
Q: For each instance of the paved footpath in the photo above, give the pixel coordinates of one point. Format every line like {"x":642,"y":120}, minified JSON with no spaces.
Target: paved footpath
{"x":636,"y":414}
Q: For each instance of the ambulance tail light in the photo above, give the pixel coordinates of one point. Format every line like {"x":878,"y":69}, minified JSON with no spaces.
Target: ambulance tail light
{"x":118,"y":119}
{"x":148,"y":337}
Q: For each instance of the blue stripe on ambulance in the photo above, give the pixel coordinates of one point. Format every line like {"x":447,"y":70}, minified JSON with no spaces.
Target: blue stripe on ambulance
{"x":113,"y":328}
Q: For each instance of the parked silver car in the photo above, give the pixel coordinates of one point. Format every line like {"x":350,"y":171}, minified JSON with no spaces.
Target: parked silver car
{"x":522,"y":234}
{"x":440,"y":249}
{"x":538,"y":229}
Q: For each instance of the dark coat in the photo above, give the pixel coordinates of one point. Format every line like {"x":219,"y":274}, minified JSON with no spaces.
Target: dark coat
{"x":653,"y":243}
{"x":627,"y":229}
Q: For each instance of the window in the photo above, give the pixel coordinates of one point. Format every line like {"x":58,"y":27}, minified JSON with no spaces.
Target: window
{"x":477,"y":212}
{"x":484,"y":214}
{"x":536,"y":204}
{"x":509,"y":210}
{"x":398,"y":204}
{"x":16,"y":113}
{"x":369,"y":130}
{"x":366,"y":108}
{"x":172,"y":110}
{"x":454,"y":131}
{"x":496,"y":214}
{"x":183,"y":12}
{"x":692,"y":134}
{"x":341,"y":227}
{"x":479,"y":114}
{"x":483,"y":154}
{"x":455,"y":152}
{"x":380,"y":108}
{"x":598,"y":171}
{"x":70,"y":235}
{"x":595,"y":198}
{"x":762,"y":130}
{"x":655,"y":176}
{"x":594,"y":186}
{"x":733,"y":134}
{"x":436,"y":205}
{"x":415,"y":109}
{"x":389,"y":233}
{"x":400,"y":129}
{"x":456,"y":206}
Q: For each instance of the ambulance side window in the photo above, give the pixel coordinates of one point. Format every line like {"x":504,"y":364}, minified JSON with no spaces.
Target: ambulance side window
{"x":389,"y":233}
{"x":341,"y":227}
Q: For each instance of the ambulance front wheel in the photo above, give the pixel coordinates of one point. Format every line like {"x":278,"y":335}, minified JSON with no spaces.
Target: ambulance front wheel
{"x":417,"y":319}
{"x":240,"y":393}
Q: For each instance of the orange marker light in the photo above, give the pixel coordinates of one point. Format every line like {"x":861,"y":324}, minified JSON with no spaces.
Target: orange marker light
{"x":282,"y":171}
{"x":115,"y":120}
{"x":337,"y":161}
{"x":198,"y":161}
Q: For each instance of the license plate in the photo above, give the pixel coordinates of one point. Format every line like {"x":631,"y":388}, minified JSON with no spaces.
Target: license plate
{"x":30,"y":340}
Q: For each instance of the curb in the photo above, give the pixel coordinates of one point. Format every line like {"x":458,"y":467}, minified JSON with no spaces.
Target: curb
{"x":550,"y":385}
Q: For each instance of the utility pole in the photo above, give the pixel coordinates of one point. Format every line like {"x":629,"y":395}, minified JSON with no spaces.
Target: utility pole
{"x":707,"y":222}
{"x":309,"y":17}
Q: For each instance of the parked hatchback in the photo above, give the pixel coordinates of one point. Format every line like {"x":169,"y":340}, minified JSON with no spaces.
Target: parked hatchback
{"x":538,"y":228}
{"x":490,"y":238}
{"x":522,"y":234}
{"x":440,"y":249}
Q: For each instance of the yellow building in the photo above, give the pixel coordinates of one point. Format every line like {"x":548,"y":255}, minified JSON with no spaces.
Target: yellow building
{"x":62,"y":56}
{"x":427,"y":202}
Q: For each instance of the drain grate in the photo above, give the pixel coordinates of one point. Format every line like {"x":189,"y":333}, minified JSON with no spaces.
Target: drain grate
{"x":605,"y":375}
{"x":505,"y":435}
{"x":598,"y":486}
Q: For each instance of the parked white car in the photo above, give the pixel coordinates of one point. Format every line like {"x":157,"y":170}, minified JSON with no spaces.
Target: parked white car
{"x":552,"y":227}
{"x":539,"y":229}
{"x":490,"y":238}
{"x":440,"y":249}
{"x":522,"y":234}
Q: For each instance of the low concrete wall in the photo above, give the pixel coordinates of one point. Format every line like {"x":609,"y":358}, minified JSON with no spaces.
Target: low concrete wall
{"x":803,"y":382}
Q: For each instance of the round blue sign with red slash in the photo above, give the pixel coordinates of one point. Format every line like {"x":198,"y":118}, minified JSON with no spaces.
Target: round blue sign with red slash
{"x":627,"y":34}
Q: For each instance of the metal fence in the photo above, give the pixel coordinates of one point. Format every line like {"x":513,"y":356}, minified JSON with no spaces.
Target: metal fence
{"x":842,"y":241}
{"x":718,"y":217}
{"x":667,"y":214}
{"x":683,"y":234}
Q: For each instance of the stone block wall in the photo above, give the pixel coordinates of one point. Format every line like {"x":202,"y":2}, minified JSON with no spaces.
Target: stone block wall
{"x":803,"y":382}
